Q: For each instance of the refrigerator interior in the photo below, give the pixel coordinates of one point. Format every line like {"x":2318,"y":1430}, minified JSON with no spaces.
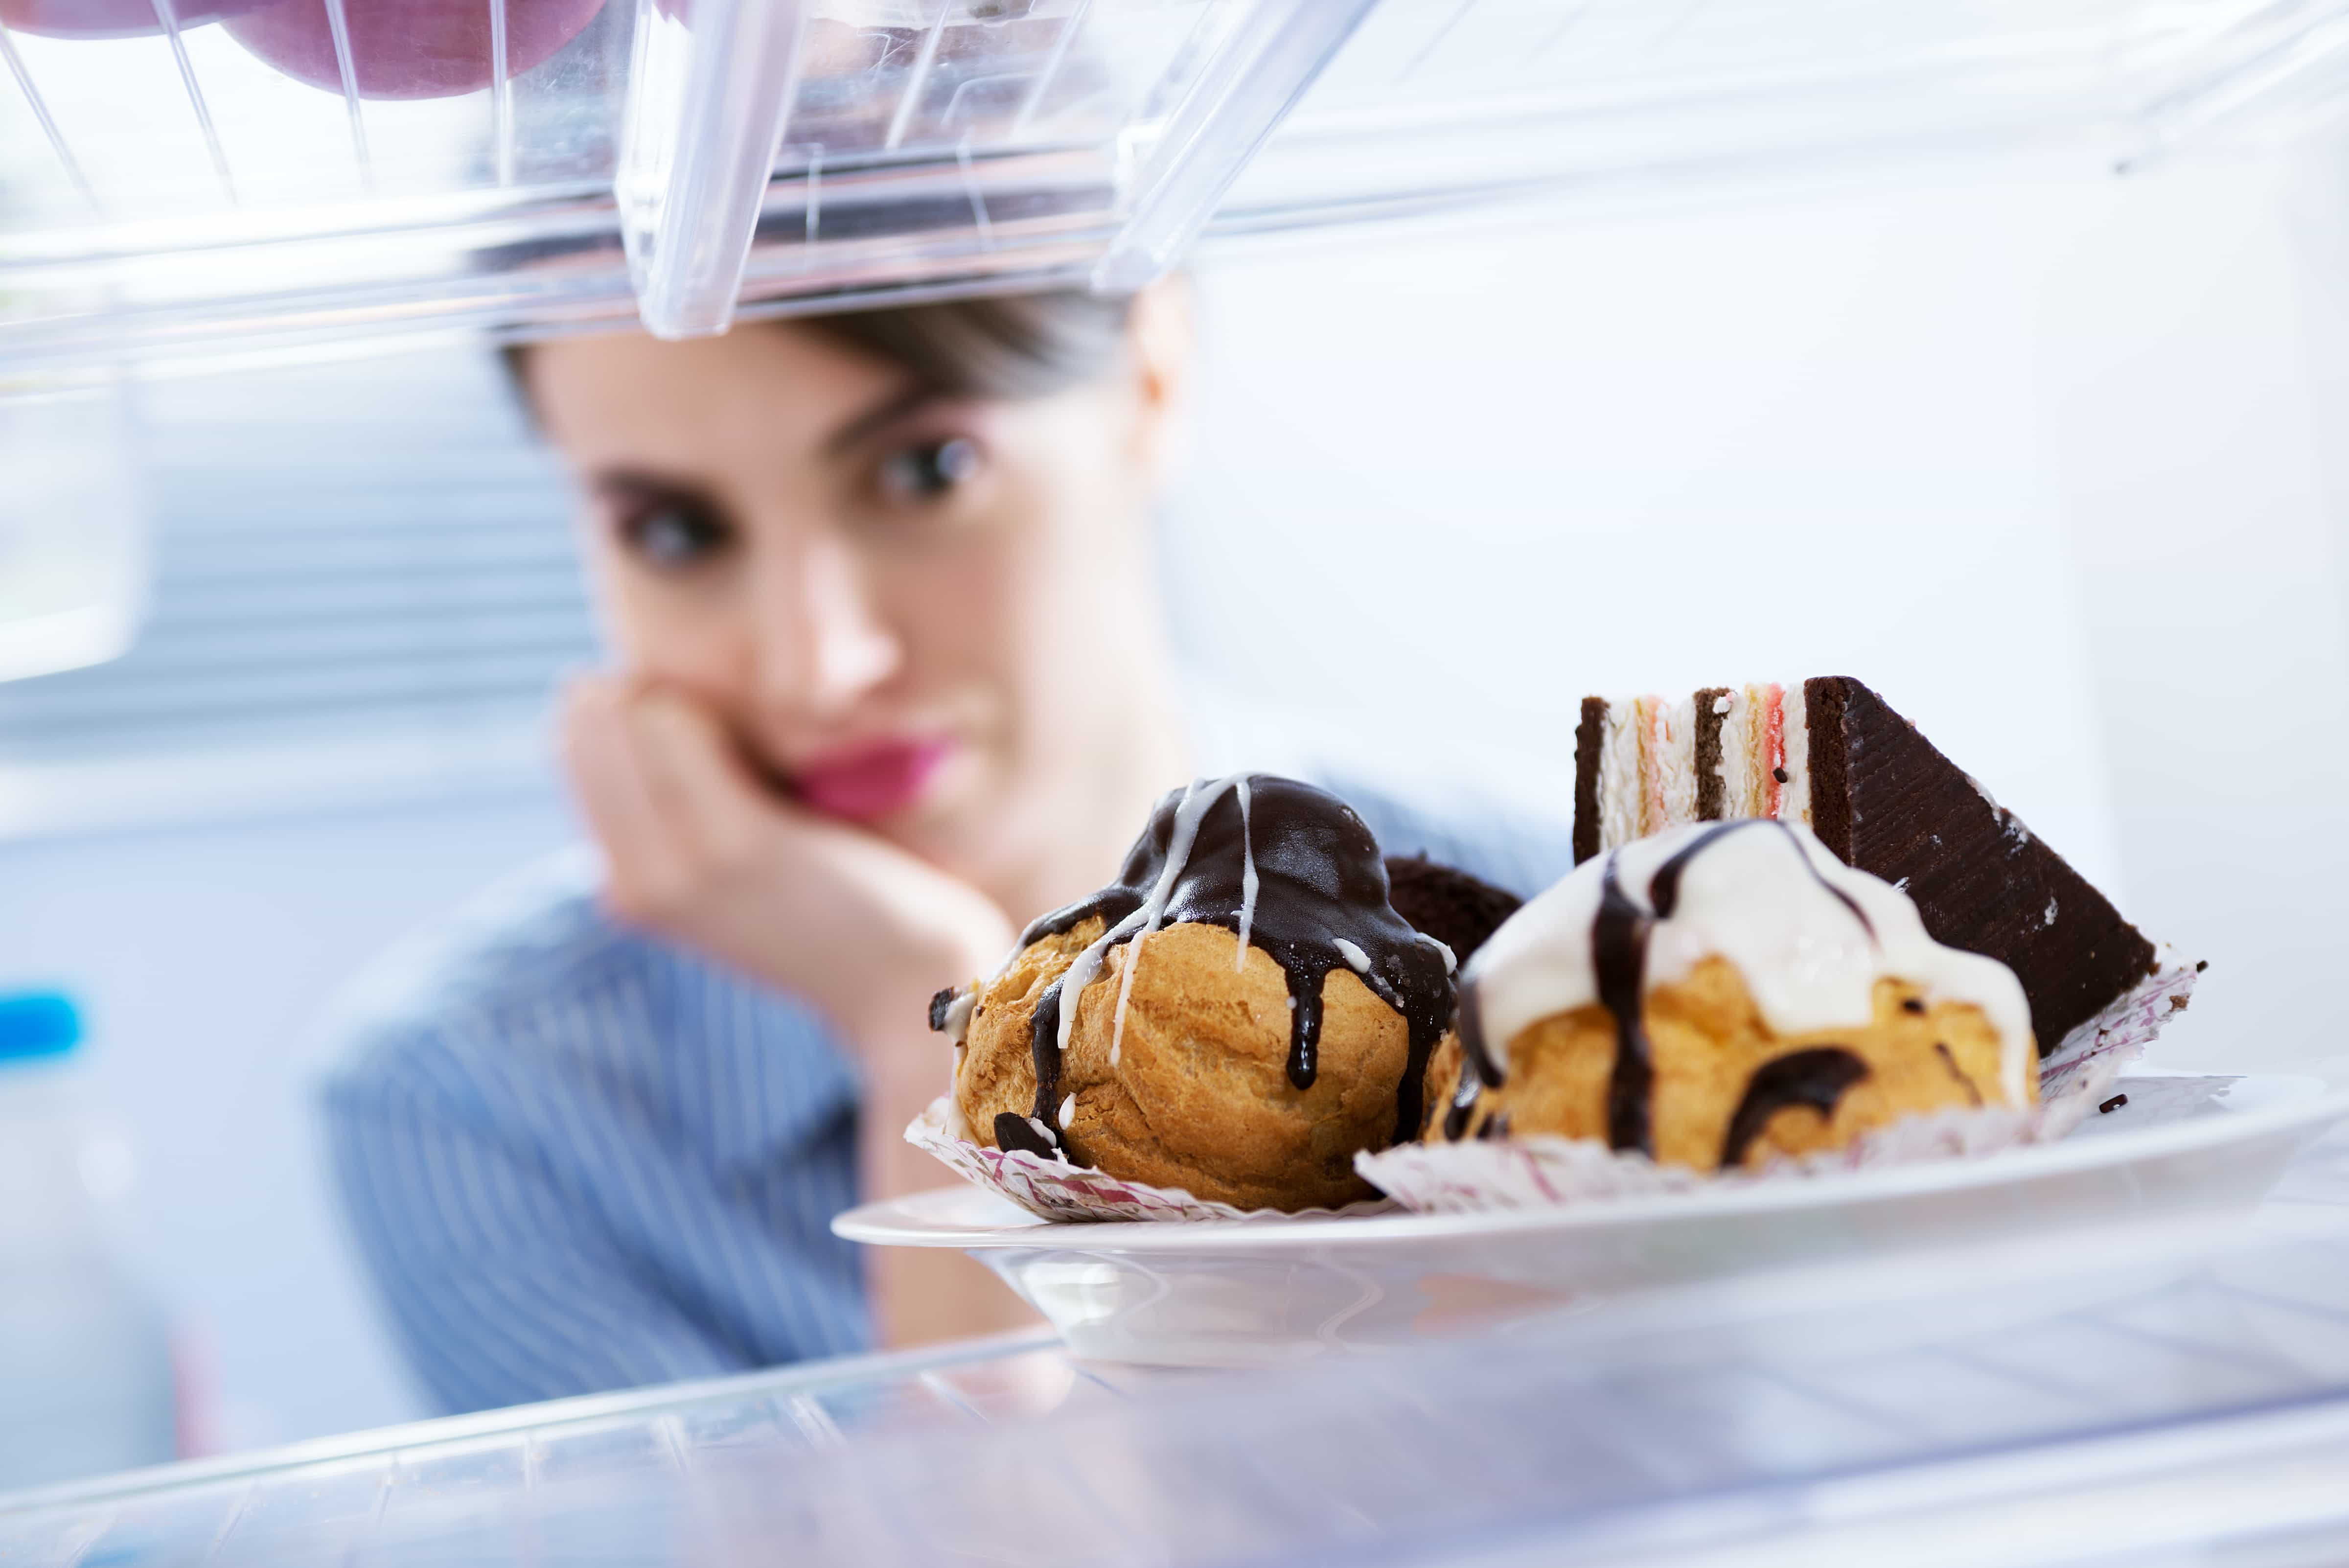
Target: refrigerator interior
{"x":1869,"y":406}
{"x":1854,"y":312}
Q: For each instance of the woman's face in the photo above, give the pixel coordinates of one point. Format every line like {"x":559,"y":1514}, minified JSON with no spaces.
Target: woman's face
{"x":909,"y":610}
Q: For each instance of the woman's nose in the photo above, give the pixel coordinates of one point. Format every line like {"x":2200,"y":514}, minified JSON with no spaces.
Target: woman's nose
{"x":822,"y":642}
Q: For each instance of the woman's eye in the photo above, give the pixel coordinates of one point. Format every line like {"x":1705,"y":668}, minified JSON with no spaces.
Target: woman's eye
{"x":924,"y":472}
{"x":672,"y":537}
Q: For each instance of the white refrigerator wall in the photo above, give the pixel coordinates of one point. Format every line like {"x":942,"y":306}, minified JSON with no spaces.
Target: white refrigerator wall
{"x":2051,"y":458}
{"x":2045,"y":455}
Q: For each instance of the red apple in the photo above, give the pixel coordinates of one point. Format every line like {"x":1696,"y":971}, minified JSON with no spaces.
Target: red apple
{"x":112,"y":18}
{"x":410,"y":48}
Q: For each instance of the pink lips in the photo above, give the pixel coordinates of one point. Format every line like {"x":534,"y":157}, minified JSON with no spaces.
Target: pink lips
{"x":867,"y":784}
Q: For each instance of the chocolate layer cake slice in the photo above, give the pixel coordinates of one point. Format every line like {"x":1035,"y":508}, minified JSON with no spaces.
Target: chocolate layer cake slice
{"x":1831,"y":754}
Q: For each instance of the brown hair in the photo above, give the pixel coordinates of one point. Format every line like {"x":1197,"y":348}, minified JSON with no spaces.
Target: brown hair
{"x":1004,"y":346}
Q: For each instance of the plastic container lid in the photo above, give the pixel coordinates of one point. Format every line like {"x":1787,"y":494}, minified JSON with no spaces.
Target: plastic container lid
{"x":36,"y":1025}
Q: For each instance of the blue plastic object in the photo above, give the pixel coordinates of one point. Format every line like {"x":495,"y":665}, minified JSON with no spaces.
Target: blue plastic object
{"x":38,"y":1023}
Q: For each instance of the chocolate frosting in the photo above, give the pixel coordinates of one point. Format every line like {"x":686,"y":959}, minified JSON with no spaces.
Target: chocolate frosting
{"x":1290,"y":869}
{"x":1884,"y":800}
{"x":1443,"y":902}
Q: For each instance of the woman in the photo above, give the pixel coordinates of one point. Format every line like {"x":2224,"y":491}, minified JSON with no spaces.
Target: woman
{"x":891,"y":680}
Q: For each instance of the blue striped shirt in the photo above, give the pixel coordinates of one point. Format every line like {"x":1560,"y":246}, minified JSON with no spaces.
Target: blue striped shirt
{"x":578,"y":1158}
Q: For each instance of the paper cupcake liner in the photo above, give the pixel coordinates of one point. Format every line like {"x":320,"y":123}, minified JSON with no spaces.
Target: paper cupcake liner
{"x":1055,"y":1189}
{"x":1534,"y":1172}
{"x":1543,"y":1172}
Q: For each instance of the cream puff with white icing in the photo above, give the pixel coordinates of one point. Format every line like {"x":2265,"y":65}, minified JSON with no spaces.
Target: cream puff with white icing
{"x":1720,"y":996}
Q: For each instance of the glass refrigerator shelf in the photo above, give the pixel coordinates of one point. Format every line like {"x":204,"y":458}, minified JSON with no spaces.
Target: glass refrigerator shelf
{"x":2111,"y":1396}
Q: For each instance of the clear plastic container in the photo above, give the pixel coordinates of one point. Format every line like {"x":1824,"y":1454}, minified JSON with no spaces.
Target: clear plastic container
{"x":1432,"y":107}
{"x":245,"y":185}
{"x":86,"y":1382}
{"x":182,"y":198}
{"x":74,"y":563}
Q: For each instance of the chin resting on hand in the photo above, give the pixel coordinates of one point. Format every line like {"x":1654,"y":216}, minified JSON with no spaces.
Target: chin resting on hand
{"x":701,"y":851}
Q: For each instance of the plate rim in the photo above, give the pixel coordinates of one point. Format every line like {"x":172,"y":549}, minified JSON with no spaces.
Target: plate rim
{"x":873,"y":1224}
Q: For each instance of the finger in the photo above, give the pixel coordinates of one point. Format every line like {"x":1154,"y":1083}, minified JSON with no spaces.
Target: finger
{"x":602,"y":756}
{"x":696,"y":775}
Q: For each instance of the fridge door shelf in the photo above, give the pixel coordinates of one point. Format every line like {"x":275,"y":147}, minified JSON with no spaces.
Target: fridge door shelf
{"x":173,"y":199}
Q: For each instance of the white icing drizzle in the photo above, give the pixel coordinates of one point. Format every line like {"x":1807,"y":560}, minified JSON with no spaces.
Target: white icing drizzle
{"x":1124,"y":991}
{"x":1198,"y":797}
{"x":1355,"y":957}
{"x":1748,"y":898}
{"x":1247,"y":880}
{"x":958,"y":1013}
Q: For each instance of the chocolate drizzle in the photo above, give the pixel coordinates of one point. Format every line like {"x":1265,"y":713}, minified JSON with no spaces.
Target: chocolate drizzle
{"x":1618,"y":955}
{"x":1950,"y":1060}
{"x":1477,"y":1067}
{"x":1664,"y":888}
{"x":1013,"y":1130}
{"x":1815,"y":1077}
{"x":1318,"y":888}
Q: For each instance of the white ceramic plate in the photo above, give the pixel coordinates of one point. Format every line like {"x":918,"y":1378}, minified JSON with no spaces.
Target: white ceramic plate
{"x":1265,"y":1291}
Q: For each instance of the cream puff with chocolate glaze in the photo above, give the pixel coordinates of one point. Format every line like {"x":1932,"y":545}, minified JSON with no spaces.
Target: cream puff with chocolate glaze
{"x":1237,"y":1015}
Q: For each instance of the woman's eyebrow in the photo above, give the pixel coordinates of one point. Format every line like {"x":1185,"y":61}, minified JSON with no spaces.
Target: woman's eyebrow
{"x":884,"y":413}
{"x":638,"y":482}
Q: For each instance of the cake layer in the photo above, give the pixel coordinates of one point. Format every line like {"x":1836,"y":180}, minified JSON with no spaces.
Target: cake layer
{"x":1889,"y":803}
{"x":1832,"y":755}
{"x":1643,"y":764}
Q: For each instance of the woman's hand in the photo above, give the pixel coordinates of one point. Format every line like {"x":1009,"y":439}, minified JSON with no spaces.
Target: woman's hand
{"x":701,"y":852}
